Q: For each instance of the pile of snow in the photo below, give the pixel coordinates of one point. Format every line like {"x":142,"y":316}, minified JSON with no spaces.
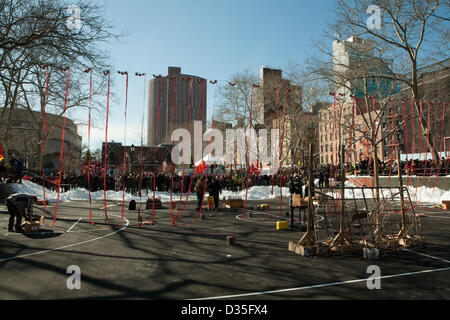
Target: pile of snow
{"x":424,"y":194}
{"x":255,"y":193}
{"x":80,"y":194}
{"x":28,"y":187}
{"x":428,"y":195}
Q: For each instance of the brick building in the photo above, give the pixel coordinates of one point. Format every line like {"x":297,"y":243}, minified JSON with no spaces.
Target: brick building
{"x":434,"y":90}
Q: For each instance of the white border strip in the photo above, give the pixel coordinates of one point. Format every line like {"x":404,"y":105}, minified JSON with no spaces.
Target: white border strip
{"x":68,"y":246}
{"x":74,"y":225}
{"x":426,"y":255}
{"x":320,"y":285}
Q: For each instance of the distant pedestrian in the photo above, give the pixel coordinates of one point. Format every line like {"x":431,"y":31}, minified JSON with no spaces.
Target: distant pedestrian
{"x":200,"y":190}
{"x":215,"y":189}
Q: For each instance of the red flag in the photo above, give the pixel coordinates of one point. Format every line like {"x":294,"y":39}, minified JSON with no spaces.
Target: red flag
{"x":201,"y":167}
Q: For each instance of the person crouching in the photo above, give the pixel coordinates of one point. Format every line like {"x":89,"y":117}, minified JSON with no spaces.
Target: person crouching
{"x":19,"y":205}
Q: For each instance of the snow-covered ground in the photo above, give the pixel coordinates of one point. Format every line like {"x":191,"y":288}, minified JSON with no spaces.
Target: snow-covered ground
{"x":423,"y":194}
{"x":28,"y":187}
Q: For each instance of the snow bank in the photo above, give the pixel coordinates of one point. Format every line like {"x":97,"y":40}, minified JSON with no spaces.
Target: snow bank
{"x":255,"y":193}
{"x":83,"y":194}
{"x":424,"y":194}
{"x":28,"y":187}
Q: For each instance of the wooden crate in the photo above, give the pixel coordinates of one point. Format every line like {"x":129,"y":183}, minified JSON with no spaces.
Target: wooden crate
{"x":33,"y":226}
{"x":149,"y":204}
{"x":234,"y":203}
{"x":303,"y":251}
{"x":211,"y":203}
{"x":298,"y":201}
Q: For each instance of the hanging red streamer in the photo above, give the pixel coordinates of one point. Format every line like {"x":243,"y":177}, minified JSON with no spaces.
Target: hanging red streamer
{"x":249,"y":144}
{"x":62,"y":146}
{"x":440,"y":145}
{"x":89,"y":145}
{"x":332,"y":144}
{"x":420,"y":145}
{"x":350,"y":147}
{"x":276,"y":127}
{"x":155,"y":139}
{"x":124,"y":168}
{"x":43,"y":142}
{"x":281,"y":150}
{"x":405,"y":135}
{"x":106,"y":144}
{"x":181,"y":210}
{"x":392,"y":143}
{"x":173,"y":167}
{"x":209,"y":153}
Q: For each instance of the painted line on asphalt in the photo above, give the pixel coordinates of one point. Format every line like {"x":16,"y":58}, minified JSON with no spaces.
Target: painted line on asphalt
{"x":436,"y":217}
{"x":74,"y":225}
{"x":108,"y":206}
{"x":426,"y":255}
{"x":320,"y":285}
{"x":67,"y":246}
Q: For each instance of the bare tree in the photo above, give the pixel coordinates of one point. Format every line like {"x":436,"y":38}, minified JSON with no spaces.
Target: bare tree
{"x":234,"y":98}
{"x":407,"y":35}
{"x":37,"y":34}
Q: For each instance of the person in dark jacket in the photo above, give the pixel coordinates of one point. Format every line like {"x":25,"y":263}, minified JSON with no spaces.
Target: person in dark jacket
{"x":296,"y":186}
{"x":200,"y":190}
{"x":19,"y":205}
{"x":215,"y":189}
{"x":312,"y":189}
{"x":321,"y":178}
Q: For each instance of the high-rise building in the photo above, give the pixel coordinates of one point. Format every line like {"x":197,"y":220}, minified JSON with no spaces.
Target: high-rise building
{"x":186,"y":94}
{"x":358,"y":70}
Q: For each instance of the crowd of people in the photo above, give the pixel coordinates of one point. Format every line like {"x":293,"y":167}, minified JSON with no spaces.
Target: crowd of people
{"x":408,"y":167}
{"x":231,"y":180}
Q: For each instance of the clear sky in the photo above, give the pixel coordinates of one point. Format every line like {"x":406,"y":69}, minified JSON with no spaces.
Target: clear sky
{"x":208,"y":38}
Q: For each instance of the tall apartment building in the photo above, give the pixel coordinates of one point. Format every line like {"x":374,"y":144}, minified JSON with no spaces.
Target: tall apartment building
{"x":357,"y":72}
{"x":176,"y":90}
{"x":356,"y":66}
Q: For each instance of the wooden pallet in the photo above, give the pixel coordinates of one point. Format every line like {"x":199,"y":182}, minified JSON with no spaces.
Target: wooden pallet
{"x":157,"y":205}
